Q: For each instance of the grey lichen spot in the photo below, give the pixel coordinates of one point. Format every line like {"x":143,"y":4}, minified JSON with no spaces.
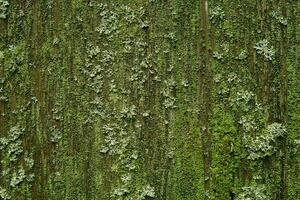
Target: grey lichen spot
{"x":147,"y":191}
{"x":17,"y":178}
{"x":217,"y":14}
{"x":169,"y":99}
{"x":243,"y":55}
{"x":55,"y":135}
{"x":253,"y":192}
{"x":144,"y":24}
{"x":3,"y":9}
{"x":12,"y":144}
{"x":263,"y":48}
{"x":29,"y":162}
{"x":129,"y":112}
{"x":119,"y":192}
{"x":280,"y":19}
{"x":265,"y":145}
{"x":217,"y":55}
{"x":4,"y":194}
{"x":146,"y":113}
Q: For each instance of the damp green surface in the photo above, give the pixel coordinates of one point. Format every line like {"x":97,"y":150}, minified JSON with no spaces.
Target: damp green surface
{"x":149,"y":99}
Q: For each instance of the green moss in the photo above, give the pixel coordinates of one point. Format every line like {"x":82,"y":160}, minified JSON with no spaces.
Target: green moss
{"x":106,"y":100}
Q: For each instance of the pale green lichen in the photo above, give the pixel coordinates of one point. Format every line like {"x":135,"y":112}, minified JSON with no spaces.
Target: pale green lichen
{"x":253,"y":192}
{"x":263,"y":48}
{"x":147,"y":191}
{"x":3,"y":9}
{"x":4,"y":194}
{"x":280,"y":19}
{"x":266,"y":144}
{"x":12,"y":144}
{"x":17,"y":177}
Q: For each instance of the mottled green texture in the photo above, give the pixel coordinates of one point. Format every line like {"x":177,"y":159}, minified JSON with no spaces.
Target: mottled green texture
{"x":149,"y":99}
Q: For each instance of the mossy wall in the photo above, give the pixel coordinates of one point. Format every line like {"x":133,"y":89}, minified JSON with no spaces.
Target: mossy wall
{"x":149,"y":99}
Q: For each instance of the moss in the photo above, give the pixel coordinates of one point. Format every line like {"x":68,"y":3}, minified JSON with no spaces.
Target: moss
{"x":114,"y":100}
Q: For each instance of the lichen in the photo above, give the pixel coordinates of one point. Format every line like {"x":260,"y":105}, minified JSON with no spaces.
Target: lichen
{"x":263,"y":48}
{"x":4,"y":4}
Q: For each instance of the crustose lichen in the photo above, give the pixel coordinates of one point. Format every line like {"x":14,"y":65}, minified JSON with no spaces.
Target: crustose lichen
{"x":3,"y":9}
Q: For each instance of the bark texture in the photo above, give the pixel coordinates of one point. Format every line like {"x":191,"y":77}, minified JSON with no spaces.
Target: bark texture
{"x":149,"y":99}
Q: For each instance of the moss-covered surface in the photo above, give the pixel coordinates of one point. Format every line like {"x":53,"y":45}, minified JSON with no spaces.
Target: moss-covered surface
{"x":149,"y":99}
